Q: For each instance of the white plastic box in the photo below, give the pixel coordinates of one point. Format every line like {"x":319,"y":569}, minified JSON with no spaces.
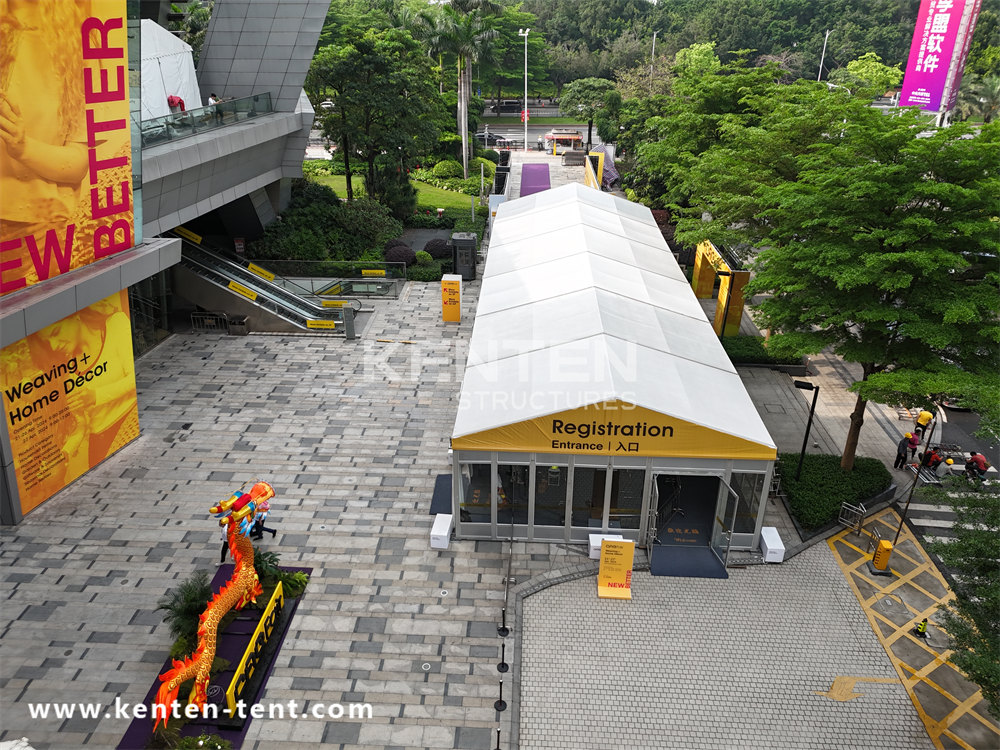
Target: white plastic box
{"x":441,"y":530}
{"x":771,"y":545}
{"x":595,"y":543}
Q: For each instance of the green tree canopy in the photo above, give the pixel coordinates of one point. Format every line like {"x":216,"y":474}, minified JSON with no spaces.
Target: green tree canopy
{"x":880,"y":238}
{"x":586,"y":97}
{"x":868,"y":76}
{"x":384,"y":103}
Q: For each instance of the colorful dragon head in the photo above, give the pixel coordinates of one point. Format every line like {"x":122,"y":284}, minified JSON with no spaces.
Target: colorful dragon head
{"x":244,"y":509}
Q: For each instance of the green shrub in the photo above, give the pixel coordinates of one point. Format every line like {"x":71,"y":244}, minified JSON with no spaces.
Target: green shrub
{"x":266,"y":564}
{"x":400,"y":254}
{"x":183,"y":605}
{"x":468,"y":224}
{"x":394,"y":242}
{"x":815,"y":498}
{"x":430,"y":272}
{"x":447,"y":169}
{"x":293,"y":584}
{"x":492,"y":155}
{"x":438,"y":248}
{"x":750,"y":350}
{"x":489,"y":168}
{"x":424,"y":258}
{"x":427,"y":219}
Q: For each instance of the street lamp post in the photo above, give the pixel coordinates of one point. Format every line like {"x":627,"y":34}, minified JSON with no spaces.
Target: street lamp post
{"x":819,"y":76}
{"x":524,"y":109}
{"x":652,"y":58}
{"x":806,"y":386}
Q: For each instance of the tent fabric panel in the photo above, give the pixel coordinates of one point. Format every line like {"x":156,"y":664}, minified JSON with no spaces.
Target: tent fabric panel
{"x":167,"y":70}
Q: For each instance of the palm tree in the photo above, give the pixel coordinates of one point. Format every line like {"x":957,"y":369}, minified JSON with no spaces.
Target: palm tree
{"x":979,"y":96}
{"x":468,"y":36}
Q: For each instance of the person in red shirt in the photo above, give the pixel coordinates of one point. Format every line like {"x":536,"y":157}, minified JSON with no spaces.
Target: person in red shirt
{"x":976,"y":466}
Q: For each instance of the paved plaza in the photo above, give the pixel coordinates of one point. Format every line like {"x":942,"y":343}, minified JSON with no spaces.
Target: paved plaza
{"x":352,"y":436}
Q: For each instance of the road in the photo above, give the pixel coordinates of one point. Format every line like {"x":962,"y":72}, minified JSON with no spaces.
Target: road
{"x":536,"y":127}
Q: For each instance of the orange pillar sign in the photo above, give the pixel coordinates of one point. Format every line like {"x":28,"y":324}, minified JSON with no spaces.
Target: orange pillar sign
{"x":451,"y":298}
{"x":614,"y":578}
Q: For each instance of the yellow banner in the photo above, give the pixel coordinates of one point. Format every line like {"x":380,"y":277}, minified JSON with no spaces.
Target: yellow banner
{"x":251,"y":657}
{"x":69,"y":397}
{"x":373,"y":272}
{"x":614,"y":428}
{"x":188,"y":234}
{"x":262,"y":272}
{"x":321,"y":324}
{"x":240,"y":289}
{"x":66,"y":168}
{"x":335,"y":302}
{"x":335,"y":289}
{"x":614,"y":577}
{"x":451,"y":298}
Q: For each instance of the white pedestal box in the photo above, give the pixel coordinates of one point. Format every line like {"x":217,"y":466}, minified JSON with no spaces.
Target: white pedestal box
{"x":771,"y":545}
{"x":595,"y":543}
{"x":441,"y":530}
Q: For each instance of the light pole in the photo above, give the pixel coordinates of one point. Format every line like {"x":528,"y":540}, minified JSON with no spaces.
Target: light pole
{"x":652,"y":57}
{"x":819,"y":76}
{"x":806,"y":386}
{"x":524,"y":108}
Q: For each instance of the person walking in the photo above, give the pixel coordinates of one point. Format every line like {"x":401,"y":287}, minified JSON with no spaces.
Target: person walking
{"x":901,"y":448}
{"x":924,"y":419}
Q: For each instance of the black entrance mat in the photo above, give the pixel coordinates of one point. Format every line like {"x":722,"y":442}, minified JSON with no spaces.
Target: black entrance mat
{"x":441,"y":499}
{"x":685,"y":561}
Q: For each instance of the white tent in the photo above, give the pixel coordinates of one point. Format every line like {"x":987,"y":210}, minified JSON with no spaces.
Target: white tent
{"x":583,"y":307}
{"x":167,"y":70}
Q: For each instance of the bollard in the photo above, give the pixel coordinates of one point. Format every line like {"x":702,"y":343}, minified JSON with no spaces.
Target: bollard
{"x":500,"y":705}
{"x":503,"y":666}
{"x":498,"y":739}
{"x":503,"y":631}
{"x":349,"y":322}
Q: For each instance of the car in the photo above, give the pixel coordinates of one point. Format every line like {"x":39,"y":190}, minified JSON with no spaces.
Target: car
{"x":508,"y":107}
{"x":326,"y":104}
{"x":491,"y":139}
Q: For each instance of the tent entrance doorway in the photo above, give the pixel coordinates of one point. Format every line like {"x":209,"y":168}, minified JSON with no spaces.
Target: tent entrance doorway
{"x":685,"y":509}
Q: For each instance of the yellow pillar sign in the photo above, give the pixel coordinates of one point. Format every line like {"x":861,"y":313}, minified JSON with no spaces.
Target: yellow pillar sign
{"x":451,"y":298}
{"x":614,"y":578}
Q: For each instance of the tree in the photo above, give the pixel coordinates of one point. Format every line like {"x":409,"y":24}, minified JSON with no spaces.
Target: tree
{"x":867,"y":76}
{"x":586,"y":97}
{"x":972,"y":618}
{"x":879,"y":238}
{"x":979,"y":97}
{"x":463,"y":31}
{"x":384,"y":103}
{"x":568,"y":62}
{"x":667,"y":135}
{"x":505,"y":65}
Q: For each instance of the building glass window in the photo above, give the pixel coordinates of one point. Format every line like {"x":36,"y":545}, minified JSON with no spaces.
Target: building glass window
{"x":512,"y":493}
{"x":475,"y":503}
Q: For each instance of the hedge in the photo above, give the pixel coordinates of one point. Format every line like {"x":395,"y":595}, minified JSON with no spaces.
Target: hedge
{"x":429,"y":272}
{"x":816,"y":496}
{"x":750,"y":350}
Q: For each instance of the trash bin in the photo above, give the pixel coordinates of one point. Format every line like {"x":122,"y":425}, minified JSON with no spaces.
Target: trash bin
{"x":238,"y":325}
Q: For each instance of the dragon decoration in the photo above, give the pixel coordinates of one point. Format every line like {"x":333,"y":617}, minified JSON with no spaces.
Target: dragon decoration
{"x":238,"y":515}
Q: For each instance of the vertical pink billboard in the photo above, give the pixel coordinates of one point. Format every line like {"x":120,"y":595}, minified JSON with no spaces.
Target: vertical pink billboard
{"x":942,"y":25}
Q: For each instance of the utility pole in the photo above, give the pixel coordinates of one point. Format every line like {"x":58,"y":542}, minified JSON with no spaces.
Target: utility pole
{"x":652,"y":57}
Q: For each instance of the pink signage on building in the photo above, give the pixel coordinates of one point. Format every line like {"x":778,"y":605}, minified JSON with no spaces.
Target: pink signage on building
{"x":931,"y":53}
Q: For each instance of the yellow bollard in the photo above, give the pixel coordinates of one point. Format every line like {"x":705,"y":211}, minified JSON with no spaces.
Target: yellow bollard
{"x":882,"y":554}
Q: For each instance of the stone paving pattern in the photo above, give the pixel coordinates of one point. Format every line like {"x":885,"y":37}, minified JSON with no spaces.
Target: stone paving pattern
{"x":352,"y":435}
{"x":707,"y":663}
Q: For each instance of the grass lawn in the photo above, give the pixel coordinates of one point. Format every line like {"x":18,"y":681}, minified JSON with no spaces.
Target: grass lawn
{"x":428,"y":196}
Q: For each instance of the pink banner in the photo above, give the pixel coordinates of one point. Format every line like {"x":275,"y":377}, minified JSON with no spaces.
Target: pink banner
{"x":931,"y":53}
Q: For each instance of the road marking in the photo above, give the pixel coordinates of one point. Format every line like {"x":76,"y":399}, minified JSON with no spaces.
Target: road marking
{"x":842,"y":688}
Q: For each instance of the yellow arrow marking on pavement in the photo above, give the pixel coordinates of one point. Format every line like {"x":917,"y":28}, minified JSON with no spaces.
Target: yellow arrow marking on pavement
{"x":843,"y":687}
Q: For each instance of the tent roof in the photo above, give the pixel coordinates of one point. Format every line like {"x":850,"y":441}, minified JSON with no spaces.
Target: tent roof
{"x":159,"y":42}
{"x":582,"y":303}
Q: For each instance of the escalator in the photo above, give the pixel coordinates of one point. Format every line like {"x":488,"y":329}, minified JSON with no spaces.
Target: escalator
{"x":213,"y":282}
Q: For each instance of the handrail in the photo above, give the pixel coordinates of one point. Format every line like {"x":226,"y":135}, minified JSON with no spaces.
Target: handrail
{"x":191,"y":122}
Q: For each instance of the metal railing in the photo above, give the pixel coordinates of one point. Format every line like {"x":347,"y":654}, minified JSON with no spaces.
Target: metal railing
{"x":179,"y":125}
